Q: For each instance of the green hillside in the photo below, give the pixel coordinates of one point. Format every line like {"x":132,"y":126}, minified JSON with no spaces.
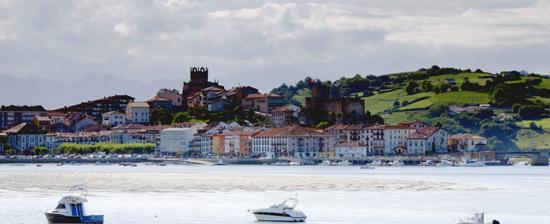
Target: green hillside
{"x":517,"y":98}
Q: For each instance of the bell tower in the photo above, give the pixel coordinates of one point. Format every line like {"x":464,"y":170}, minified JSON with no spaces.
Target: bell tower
{"x":199,"y":75}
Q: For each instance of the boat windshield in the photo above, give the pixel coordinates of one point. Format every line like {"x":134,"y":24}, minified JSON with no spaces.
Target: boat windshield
{"x":60,"y":206}
{"x":290,"y":203}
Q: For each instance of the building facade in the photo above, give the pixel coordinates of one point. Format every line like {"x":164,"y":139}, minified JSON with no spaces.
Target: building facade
{"x":11,"y":116}
{"x":113,"y":119}
{"x":138,"y":112}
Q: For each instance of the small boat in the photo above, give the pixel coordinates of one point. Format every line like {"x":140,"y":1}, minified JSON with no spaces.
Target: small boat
{"x":473,"y":163}
{"x":476,"y":218}
{"x":445,"y":163}
{"x":284,"y":212}
{"x":38,"y":165}
{"x":70,"y":209}
{"x":376,"y":163}
{"x":344,"y":163}
{"x":134,"y":164}
{"x":219,"y":163}
{"x":325,"y":163}
{"x":295,"y":163}
{"x":60,"y":164}
{"x":161,"y":164}
{"x":397,"y":163}
{"x":282,"y":163}
{"x":367,"y":167}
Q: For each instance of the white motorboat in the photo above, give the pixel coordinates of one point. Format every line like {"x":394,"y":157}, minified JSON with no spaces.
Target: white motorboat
{"x":70,"y":209}
{"x":376,"y":163}
{"x":397,"y":163}
{"x":325,"y":163}
{"x":473,"y":163}
{"x":219,"y":163}
{"x":444,"y":163}
{"x":476,"y":218}
{"x":281,"y":163}
{"x":344,"y":163}
{"x":284,"y":212}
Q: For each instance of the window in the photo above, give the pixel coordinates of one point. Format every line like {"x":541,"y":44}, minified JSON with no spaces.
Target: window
{"x":60,"y":206}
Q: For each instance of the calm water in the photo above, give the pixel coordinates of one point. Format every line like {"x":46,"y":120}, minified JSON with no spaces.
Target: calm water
{"x":223,"y":194}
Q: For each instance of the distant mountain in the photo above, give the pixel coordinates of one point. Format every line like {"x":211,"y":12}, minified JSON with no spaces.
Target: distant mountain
{"x":54,"y":94}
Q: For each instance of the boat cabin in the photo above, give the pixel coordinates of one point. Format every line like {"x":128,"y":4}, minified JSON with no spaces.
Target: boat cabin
{"x":71,"y":206}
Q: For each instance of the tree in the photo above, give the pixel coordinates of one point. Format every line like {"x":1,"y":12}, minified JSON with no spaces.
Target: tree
{"x":323,"y":125}
{"x":161,"y":116}
{"x":411,"y":87}
{"x":182,"y":117}
{"x":40,"y":150}
{"x":427,"y":86}
{"x":396,"y":105}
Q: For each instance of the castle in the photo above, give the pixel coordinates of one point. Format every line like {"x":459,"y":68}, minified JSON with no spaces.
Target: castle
{"x":199,"y":81}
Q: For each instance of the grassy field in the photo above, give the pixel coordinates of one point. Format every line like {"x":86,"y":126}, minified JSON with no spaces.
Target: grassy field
{"x":380,"y":102}
{"x":462,"y":97}
{"x":545,"y":84}
{"x":301,"y":96}
{"x":418,"y":105}
{"x":459,"y":78}
{"x":540,"y":100}
{"x":545,"y":123}
{"x":529,"y":139}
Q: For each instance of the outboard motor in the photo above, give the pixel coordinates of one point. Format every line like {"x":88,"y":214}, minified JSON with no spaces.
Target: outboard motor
{"x":496,"y":222}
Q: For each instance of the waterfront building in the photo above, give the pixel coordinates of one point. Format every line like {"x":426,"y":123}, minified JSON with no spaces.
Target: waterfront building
{"x":176,"y":140}
{"x":285,"y":115}
{"x":234,"y":143}
{"x":11,"y":116}
{"x":96,"y":108}
{"x":138,"y":112}
{"x":467,"y":143}
{"x":395,"y":139}
{"x":133,"y":133}
{"x":263,"y":103}
{"x":375,"y":139}
{"x":427,"y":140}
{"x":25,"y":137}
{"x":85,"y":138}
{"x":351,"y":150}
{"x":295,"y":141}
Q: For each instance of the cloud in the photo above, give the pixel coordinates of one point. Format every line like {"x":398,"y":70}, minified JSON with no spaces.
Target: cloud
{"x":249,"y":42}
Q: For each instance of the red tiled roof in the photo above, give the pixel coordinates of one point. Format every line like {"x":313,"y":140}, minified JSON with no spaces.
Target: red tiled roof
{"x":293,"y":130}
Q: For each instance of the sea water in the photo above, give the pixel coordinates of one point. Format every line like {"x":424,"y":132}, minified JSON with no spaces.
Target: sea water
{"x":223,"y":194}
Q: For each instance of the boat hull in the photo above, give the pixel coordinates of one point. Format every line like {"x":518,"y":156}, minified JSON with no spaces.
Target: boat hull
{"x":276,"y":217}
{"x":63,"y":219}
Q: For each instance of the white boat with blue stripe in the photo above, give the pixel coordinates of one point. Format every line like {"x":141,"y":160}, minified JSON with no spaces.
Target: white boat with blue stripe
{"x":283,"y":212}
{"x":70,"y":209}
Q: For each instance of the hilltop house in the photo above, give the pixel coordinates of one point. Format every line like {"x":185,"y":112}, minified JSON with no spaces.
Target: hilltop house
{"x":263,"y":103}
{"x":113,"y":118}
{"x":11,"y":116}
{"x":97,"y":107}
{"x":137,"y":112}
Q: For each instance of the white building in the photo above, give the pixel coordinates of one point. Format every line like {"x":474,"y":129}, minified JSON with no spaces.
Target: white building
{"x":351,"y":150}
{"x":467,"y":143}
{"x":176,"y":140}
{"x":137,"y":112}
{"x":429,"y":139}
{"x":113,"y":118}
{"x":395,"y":138}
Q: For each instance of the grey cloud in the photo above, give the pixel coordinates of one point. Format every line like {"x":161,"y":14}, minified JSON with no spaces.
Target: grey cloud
{"x":267,"y":43}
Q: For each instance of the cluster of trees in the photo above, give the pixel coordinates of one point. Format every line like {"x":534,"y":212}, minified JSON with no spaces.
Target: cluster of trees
{"x":201,"y":114}
{"x":499,"y":133}
{"x":105,"y":147}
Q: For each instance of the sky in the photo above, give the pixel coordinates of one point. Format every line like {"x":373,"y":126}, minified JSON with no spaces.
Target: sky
{"x":262,"y":44}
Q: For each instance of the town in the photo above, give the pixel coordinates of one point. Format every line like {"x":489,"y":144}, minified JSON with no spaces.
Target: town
{"x":248,"y":125}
